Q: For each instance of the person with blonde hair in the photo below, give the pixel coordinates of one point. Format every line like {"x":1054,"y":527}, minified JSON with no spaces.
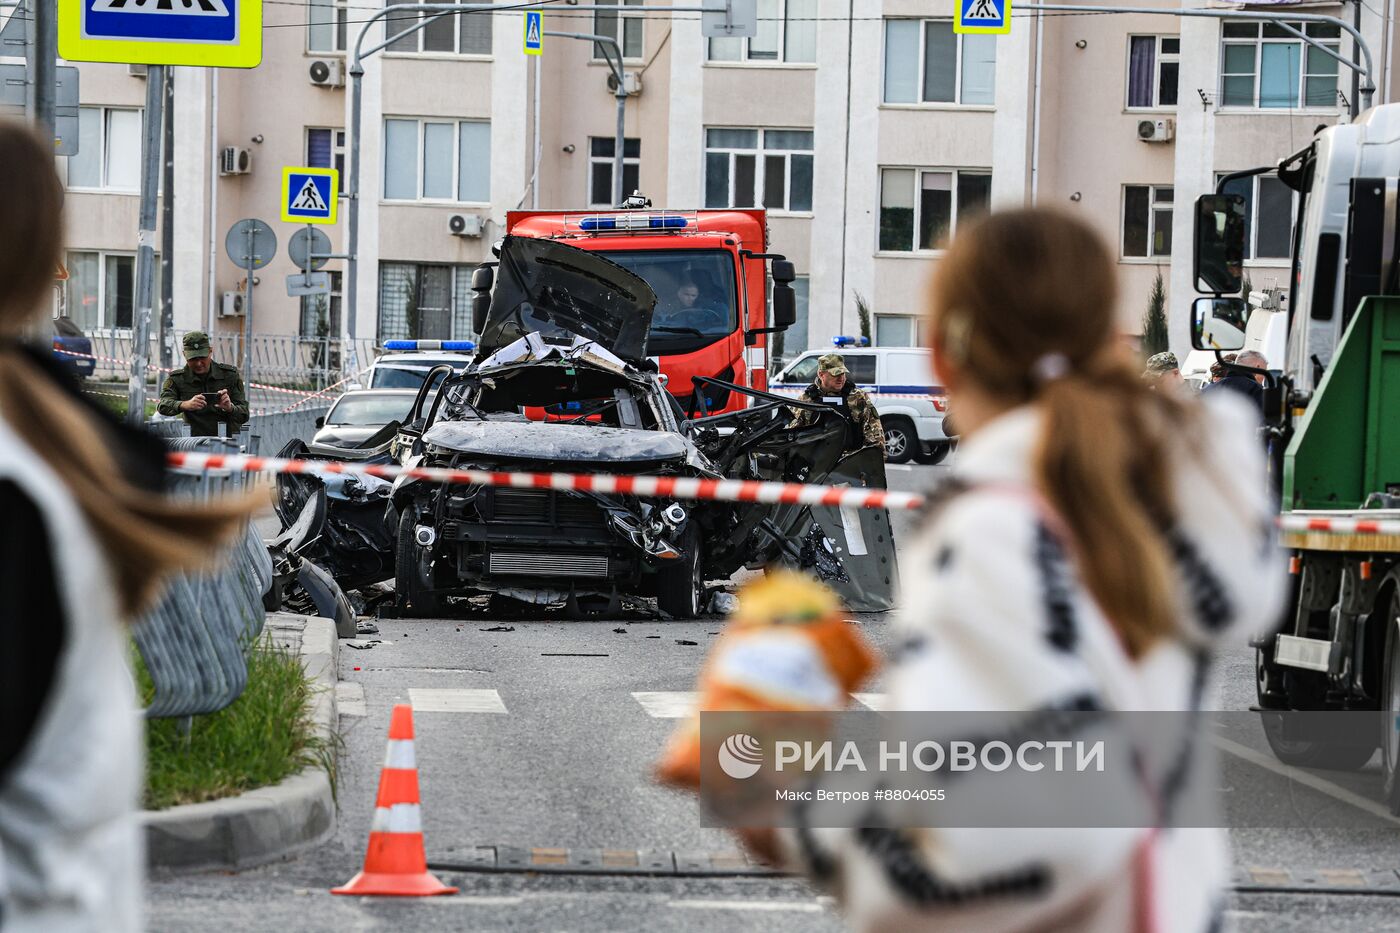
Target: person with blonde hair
{"x":86,"y":537}
{"x":1096,"y":541}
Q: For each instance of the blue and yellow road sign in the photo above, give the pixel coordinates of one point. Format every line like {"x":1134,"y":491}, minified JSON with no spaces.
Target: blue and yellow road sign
{"x":221,"y":33}
{"x":309,"y":195}
{"x":983,"y":16}
{"x":534,"y":32}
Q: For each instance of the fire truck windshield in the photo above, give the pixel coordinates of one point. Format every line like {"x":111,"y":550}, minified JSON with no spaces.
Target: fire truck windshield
{"x":695,"y":296}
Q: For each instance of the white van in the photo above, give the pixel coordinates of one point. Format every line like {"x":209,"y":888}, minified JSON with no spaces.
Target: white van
{"x":900,"y":382}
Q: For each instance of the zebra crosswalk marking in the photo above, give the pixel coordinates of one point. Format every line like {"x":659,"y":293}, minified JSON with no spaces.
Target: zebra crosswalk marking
{"x":437,"y":700}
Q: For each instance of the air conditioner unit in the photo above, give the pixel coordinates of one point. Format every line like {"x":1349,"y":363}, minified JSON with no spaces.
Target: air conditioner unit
{"x":464,"y":225}
{"x":232,"y":305}
{"x":1156,"y":131}
{"x":631,"y":83}
{"x":328,"y":73}
{"x":235,"y":161}
{"x":136,"y":71}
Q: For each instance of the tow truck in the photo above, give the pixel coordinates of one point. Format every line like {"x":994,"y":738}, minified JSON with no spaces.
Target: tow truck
{"x":1330,"y":409}
{"x":719,"y":258}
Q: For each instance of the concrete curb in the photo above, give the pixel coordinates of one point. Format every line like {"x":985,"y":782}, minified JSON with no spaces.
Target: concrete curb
{"x":271,"y":822}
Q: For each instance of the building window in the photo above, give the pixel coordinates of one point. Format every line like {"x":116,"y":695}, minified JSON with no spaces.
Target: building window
{"x":101,"y":289}
{"x":325,"y":148}
{"x":759,"y":168}
{"x":601,"y":150}
{"x":1268,"y":215}
{"x":424,"y":302}
{"x":327,"y":25}
{"x":1262,"y":65}
{"x":109,"y":150}
{"x":1153,"y":65}
{"x":926,"y":62}
{"x":1147,"y":221}
{"x":462,"y":34}
{"x":625,"y":27}
{"x":787,"y":32}
{"x":429,"y":160}
{"x":920,"y":208}
{"x":320,"y":314}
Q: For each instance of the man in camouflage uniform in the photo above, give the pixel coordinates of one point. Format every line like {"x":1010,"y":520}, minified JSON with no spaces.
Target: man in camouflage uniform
{"x":184,"y":391}
{"x":832,"y":387}
{"x":1162,"y":370}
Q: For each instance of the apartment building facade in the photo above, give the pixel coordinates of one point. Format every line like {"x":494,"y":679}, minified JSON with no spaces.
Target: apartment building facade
{"x":867,"y":128}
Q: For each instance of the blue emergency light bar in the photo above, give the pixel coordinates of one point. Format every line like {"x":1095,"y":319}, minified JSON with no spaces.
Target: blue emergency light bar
{"x":464,"y":345}
{"x":846,"y":341}
{"x":633,"y":222}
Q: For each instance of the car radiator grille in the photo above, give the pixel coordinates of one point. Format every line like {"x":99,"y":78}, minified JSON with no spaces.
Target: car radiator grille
{"x":537,"y":564}
{"x":543,"y":507}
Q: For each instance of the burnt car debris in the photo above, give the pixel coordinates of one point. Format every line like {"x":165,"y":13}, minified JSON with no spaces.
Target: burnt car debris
{"x":561,"y":382}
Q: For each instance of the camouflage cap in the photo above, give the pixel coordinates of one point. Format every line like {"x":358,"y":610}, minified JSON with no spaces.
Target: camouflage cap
{"x":1160,"y":363}
{"x":196,"y":344}
{"x":832,"y":363}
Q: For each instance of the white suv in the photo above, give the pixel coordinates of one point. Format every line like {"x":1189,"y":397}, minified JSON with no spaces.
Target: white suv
{"x":900,"y":382}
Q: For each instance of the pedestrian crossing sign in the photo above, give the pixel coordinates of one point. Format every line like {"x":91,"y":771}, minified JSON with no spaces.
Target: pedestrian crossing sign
{"x":534,"y":32}
{"x":218,"y":33}
{"x":309,"y":195}
{"x":983,"y":16}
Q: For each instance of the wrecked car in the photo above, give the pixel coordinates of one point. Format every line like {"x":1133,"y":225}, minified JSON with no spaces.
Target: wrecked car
{"x":561,"y":382}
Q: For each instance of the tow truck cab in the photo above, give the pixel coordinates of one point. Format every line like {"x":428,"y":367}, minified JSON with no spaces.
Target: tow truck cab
{"x":708,"y":269}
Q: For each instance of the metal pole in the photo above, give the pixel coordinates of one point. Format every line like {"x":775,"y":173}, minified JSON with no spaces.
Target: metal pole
{"x":45,"y":67}
{"x":1355,"y":75}
{"x":352,"y":192}
{"x":621,"y":139}
{"x":535,"y":176}
{"x":145,"y":249}
{"x":167,"y":229}
{"x":248,"y":306}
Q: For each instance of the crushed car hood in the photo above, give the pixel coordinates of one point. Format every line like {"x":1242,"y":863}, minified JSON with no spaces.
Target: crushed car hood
{"x":568,"y":444}
{"x":560,"y":292}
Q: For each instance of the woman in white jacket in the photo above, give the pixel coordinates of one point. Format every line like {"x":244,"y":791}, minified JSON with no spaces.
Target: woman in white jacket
{"x":1094,"y":543}
{"x":86,"y":535}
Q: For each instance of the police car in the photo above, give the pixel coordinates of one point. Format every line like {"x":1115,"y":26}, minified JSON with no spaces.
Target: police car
{"x":406,"y":363}
{"x":899,"y":380}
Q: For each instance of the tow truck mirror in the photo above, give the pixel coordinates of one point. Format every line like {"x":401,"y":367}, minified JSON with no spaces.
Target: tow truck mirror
{"x":784,"y":272}
{"x":784,"y":304}
{"x":483,"y":277}
{"x":1218,"y":323}
{"x":1217,"y":259}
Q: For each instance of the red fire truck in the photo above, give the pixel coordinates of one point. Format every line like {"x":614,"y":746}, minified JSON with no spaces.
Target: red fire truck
{"x":708,"y":270}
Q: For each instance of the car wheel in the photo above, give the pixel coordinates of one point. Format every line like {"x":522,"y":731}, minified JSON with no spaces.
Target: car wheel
{"x":413,"y":573}
{"x":937,"y":453}
{"x":679,"y":587}
{"x":1390,"y":706}
{"x":1293,"y":737}
{"x":900,"y":441}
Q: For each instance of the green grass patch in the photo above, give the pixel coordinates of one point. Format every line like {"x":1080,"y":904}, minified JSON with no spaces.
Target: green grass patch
{"x":118,"y":406}
{"x":265,"y":736}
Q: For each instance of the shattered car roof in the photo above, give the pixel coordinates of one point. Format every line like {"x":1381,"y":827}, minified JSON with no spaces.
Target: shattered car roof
{"x":560,"y":292}
{"x":569,"y":444}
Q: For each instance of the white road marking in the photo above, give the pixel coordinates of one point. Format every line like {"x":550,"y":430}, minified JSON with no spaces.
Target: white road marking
{"x":350,"y":698}
{"x":668,"y":704}
{"x":1307,"y":780}
{"x":701,"y":904}
{"x":456,"y":700}
{"x":474,"y":900}
{"x":876,"y":701}
{"x":899,"y":466}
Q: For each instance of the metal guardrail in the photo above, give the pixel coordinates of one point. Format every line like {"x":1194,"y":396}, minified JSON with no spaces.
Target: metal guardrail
{"x":195,"y":641}
{"x":267,"y":433}
{"x":278,"y":359}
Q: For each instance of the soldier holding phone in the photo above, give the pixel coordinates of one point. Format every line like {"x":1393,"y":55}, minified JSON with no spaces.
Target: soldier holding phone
{"x":206,"y":392}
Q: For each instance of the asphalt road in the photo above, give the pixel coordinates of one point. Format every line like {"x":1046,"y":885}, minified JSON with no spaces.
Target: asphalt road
{"x":541,"y":733}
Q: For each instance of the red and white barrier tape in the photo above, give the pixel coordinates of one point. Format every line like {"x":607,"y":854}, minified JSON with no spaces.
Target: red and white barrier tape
{"x":665,"y":487}
{"x":1339,"y":526}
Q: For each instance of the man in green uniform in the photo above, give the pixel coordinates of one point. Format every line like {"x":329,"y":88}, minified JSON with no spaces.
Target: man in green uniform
{"x":205,"y":392}
{"x":832,"y":387}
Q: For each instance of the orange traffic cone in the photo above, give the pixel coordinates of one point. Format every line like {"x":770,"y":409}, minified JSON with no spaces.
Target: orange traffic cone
{"x":394,"y":862}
